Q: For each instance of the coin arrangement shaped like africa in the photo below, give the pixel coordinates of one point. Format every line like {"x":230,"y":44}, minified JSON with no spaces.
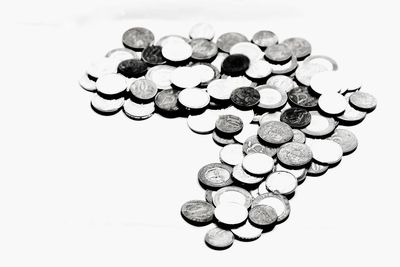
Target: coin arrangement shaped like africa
{"x":271,"y":105}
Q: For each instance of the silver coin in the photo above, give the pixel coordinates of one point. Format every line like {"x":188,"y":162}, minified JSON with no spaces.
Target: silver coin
{"x":203,"y":49}
{"x":194,"y":98}
{"x":306,"y":71}
{"x":332,"y":103}
{"x":138,"y":111}
{"x":346,"y":139}
{"x":363,"y":101}
{"x":351,"y":115}
{"x":215,"y":175}
{"x":207,"y":73}
{"x":102,"y":66}
{"x":253,"y":145}
{"x":263,"y":215}
{"x":262,"y":189}
{"x":326,"y":151}
{"x":330,"y":63}
{"x":278,"y":53}
{"x":300,"y":174}
{"x":320,"y":125}
{"x":203,"y":123}
{"x":298,"y":136}
{"x":247,"y":232}
{"x":160,"y":75}
{"x":198,"y":211}
{"x":265,"y":38}
{"x":229,"y":39}
{"x":233,"y":194}
{"x":275,"y":132}
{"x":202,"y":30}
{"x":250,"y":50}
{"x":240,"y":175}
{"x":286,"y":68}
{"x":185,"y":77}
{"x":294,"y":154}
{"x":247,"y":131}
{"x":271,"y":97}
{"x":317,"y":168}
{"x":279,"y":202}
{"x":257,"y":163}
{"x":111,"y":84}
{"x":231,"y":154}
{"x":87,"y":83}
{"x":270,"y":116}
{"x":143,"y":89}
{"x":282,"y":82}
{"x":282,"y":182}
{"x":137,"y":38}
{"x":103,"y":105}
{"x":230,"y":213}
{"x":300,"y":47}
{"x":176,"y":50}
{"x":219,"y":238}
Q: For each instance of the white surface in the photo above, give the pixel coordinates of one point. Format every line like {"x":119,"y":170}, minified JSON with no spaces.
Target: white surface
{"x":79,"y":189}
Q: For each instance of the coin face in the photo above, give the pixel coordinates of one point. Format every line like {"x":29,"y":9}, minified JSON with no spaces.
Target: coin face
{"x":203,"y":123}
{"x":206,"y":71}
{"x":143,"y":89}
{"x":282,"y":82}
{"x":296,"y":117}
{"x":250,"y":50}
{"x":215,"y":175}
{"x":265,"y":39}
{"x":257,"y":163}
{"x":194,"y":98}
{"x":198,"y":211}
{"x":327,"y":82}
{"x":240,"y":175}
{"x":229,"y":124}
{"x":245,"y":97}
{"x":87,"y":84}
{"x":185,"y":77}
{"x":306,"y":71}
{"x":303,"y":97}
{"x":281,"y":182}
{"x":363,"y":101}
{"x":202,"y":30}
{"x":263,"y":215}
{"x":278,"y":202}
{"x":285,"y":69}
{"x":132,"y":68}
{"x":275,"y":132}
{"x":278,"y":53}
{"x":326,"y":61}
{"x":351,"y":115}
{"x":294,"y":154}
{"x":326,"y":151}
{"x":259,"y":69}
{"x":300,"y":47}
{"x":121,"y":54}
{"x":320,"y":125}
{"x":106,"y":106}
{"x":231,"y":154}
{"x":138,"y":111}
{"x":137,"y":38}
{"x":219,"y":238}
{"x":176,"y":50}
{"x":235,"y":65}
{"x":229,"y":39}
{"x":248,"y":130}
{"x":152,"y":55}
{"x":160,"y":75}
{"x":300,"y":174}
{"x":271,"y":97}
{"x":346,"y":139}
{"x":252,"y":145}
{"x":270,"y":116}
{"x":167,"y":100}
{"x":230,"y":213}
{"x":233,"y":194}
{"x":203,"y":49}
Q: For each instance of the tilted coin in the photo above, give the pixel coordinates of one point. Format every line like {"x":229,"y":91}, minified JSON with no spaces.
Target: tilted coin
{"x":245,"y":97}
{"x":247,"y":131}
{"x":160,"y":75}
{"x":143,"y":89}
{"x":259,"y":69}
{"x":202,"y":123}
{"x":257,"y":163}
{"x":111,"y":84}
{"x":173,"y":38}
{"x":215,"y":175}
{"x":316,"y":169}
{"x":327,"y":82}
{"x":300,"y":47}
{"x":247,"y":232}
{"x":230,"y":213}
{"x":326,"y":151}
{"x":101,"y":67}
{"x":306,"y":71}
{"x":285,"y":69}
{"x":253,"y":145}
{"x":121,"y":54}
{"x":198,"y":211}
{"x":298,"y":136}
{"x":278,"y":202}
{"x":138,"y":111}
{"x":332,"y":103}
{"x":167,"y":100}
{"x":240,"y":175}
{"x":303,"y":97}
{"x":202,"y":30}
{"x":300,"y":174}
{"x":294,"y":154}
{"x":194,"y":98}
{"x":346,"y":139}
{"x":206,"y":72}
{"x":282,"y":82}
{"x":270,"y":116}
{"x":209,"y":195}
{"x":363,"y":101}
{"x":235,"y":65}
{"x":351,"y":115}
{"x":250,"y":50}
{"x":231,"y":154}
{"x":185,"y":77}
{"x":222,"y":141}
{"x":203,"y":49}
{"x":278,"y":53}
{"x":229,"y":39}
{"x":137,"y":38}
{"x":132,"y":68}
{"x":326,"y":61}
{"x":296,"y":117}
{"x":275,"y":132}
{"x":320,"y":125}
{"x":176,"y":51}
{"x":265,"y":38}
{"x":106,"y":106}
{"x":271,"y":97}
{"x":229,"y":124}
{"x":263,"y":215}
{"x":218,"y":238}
{"x":233,"y":194}
{"x":87,"y":84}
{"x":282,"y":182}
{"x":152,"y":55}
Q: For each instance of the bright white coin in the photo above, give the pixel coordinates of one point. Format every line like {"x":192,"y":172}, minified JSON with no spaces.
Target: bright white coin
{"x":247,"y":232}
{"x":194,"y":98}
{"x":245,"y":115}
{"x":218,"y":89}
{"x":270,"y":116}
{"x":250,"y":50}
{"x":161,"y":76}
{"x":282,"y":82}
{"x":203,"y":123}
{"x":231,"y":154}
{"x":247,"y":131}
{"x":106,"y":105}
{"x":202,"y":30}
{"x":185,"y":77}
{"x":332,"y":103}
{"x":300,"y":174}
{"x":217,"y":62}
{"x":271,"y":97}
{"x":111,"y":84}
{"x":327,"y":82}
{"x":283,"y":182}
{"x":259,"y":69}
{"x":138,"y":111}
{"x":102,"y":66}
{"x":326,"y":151}
{"x":319,"y":125}
{"x":87,"y":83}
{"x":233,"y":194}
{"x":175,"y":50}
{"x":206,"y":73}
{"x":258,"y":163}
{"x":230,"y":213}
{"x":121,"y":54}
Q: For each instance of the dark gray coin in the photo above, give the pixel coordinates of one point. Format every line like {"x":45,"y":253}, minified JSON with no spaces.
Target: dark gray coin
{"x":245,"y":97}
{"x":235,"y":65}
{"x":222,"y":141}
{"x":209,"y":196}
{"x":278,"y":53}
{"x":278,"y":202}
{"x":275,"y":132}
{"x":132,"y":68}
{"x":253,"y":145}
{"x":296,"y":117}
{"x":143,"y":89}
{"x":298,"y":136}
{"x":203,"y":49}
{"x":316,"y":169}
{"x":215,"y":175}
{"x":294,"y":154}
{"x":303,"y":97}
{"x":229,"y":124}
{"x":198,"y":211}
{"x":263,"y":215}
{"x":167,"y":100}
{"x":265,"y":39}
{"x":346,"y":139}
{"x":229,"y":39}
{"x":218,"y":238}
{"x":300,"y":47}
{"x":152,"y":55}
{"x":363,"y":101}
{"x":137,"y":38}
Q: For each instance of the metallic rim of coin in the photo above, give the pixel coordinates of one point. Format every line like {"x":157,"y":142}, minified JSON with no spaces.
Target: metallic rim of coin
{"x":275,"y":132}
{"x":257,"y":163}
{"x":283,"y":182}
{"x":363,"y":101}
{"x":204,"y":70}
{"x":160,"y":75}
{"x":229,"y":124}
{"x":294,"y":154}
{"x":231,"y":154}
{"x":203,"y":49}
{"x":143,"y":89}
{"x":103,"y":105}
{"x":245,"y":97}
{"x":252,"y":145}
{"x":202,"y":30}
{"x":279,"y":202}
{"x":285,"y":69}
{"x":332,"y":62}
{"x":300,"y":47}
{"x":229,"y":39}
{"x":271,"y":97}
{"x":203,"y":123}
{"x":219,"y":238}
{"x":303,"y":97}
{"x":222,"y":141}
{"x":346,"y":139}
{"x":198,"y":211}
{"x":194,"y":98}
{"x":138,"y":111}
{"x":278,"y":53}
{"x":87,"y":84}
{"x":152,"y":55}
{"x":262,"y":215}
{"x":326,"y":151}
{"x":215,"y":175}
{"x":233,"y":194}
{"x":296,"y":117}
{"x":298,"y":136}
{"x":320,"y":125}
{"x":282,"y":82}
{"x":230,"y":213}
{"x":137,"y":38}
{"x":240,"y":175}
{"x":247,"y":232}
{"x":265,"y":38}
{"x":167,"y":100}
{"x":250,"y":50}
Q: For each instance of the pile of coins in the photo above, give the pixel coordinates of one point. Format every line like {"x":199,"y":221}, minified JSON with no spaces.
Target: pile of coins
{"x":272,"y":106}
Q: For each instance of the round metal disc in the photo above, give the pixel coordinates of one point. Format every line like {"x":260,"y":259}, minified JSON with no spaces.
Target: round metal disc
{"x":280,"y":181}
{"x":231,"y":154}
{"x":138,"y":111}
{"x":203,"y":123}
{"x":219,"y":238}
{"x":247,"y":232}
{"x":263,"y":215}
{"x":230,"y":213}
{"x":294,"y":154}
{"x":233,"y":194}
{"x":229,"y":39}
{"x":202,"y":30}
{"x":258,"y":163}
{"x":332,"y":103}
{"x":198,"y":211}
{"x":106,"y":105}
{"x":278,"y":202}
{"x":346,"y":139}
{"x":271,"y":97}
{"x":282,"y":82}
{"x":194,"y":98}
{"x":240,"y":175}
{"x":160,"y":75}
{"x":363,"y":101}
{"x":215,"y":175}
{"x":275,"y":132}
{"x":320,"y":125}
{"x":326,"y":151}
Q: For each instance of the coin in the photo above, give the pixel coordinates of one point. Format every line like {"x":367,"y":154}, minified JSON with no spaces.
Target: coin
{"x":346,"y":139}
{"x":101,"y":67}
{"x":327,"y":82}
{"x":271,"y":97}
{"x":202,"y":123}
{"x":363,"y":101}
{"x":152,"y":55}
{"x":231,"y":154}
{"x":326,"y":61}
{"x":285,"y":69}
{"x":203,"y":49}
{"x":278,"y":202}
{"x":215,"y":175}
{"x":282,"y":82}
{"x":332,"y":103}
{"x":245,"y":97}
{"x":263,"y":215}
{"x":326,"y":151}
{"x":206,"y":72}
{"x":245,"y":115}
{"x":250,"y":50}
{"x":296,"y":117}
{"x":259,"y":69}
{"x":265,"y":39}
{"x":219,"y":90}
{"x":240,"y":175}
{"x":138,"y":111}
{"x":306,"y":71}
{"x":202,"y":30}
{"x":270,"y":116}
{"x":300,"y":47}
{"x":137,"y":38}
{"x":247,"y":131}
{"x":302,"y":97}
{"x":176,"y":50}
{"x":167,"y":100}
{"x":132,"y":68}
{"x":253,"y":145}
{"x":235,"y":65}
{"x":222,"y":141}
{"x":111,"y":84}
{"x":194,"y":98}
{"x":351,"y":115}
{"x":217,"y":62}
{"x":143,"y":89}
{"x":257,"y":163}
{"x":300,"y":174}
{"x":198,"y":211}
{"x":106,"y":106}
{"x":316,"y":169}
{"x":184,"y":77}
{"x":173,"y":38}
{"x":233,"y":194}
{"x":160,"y":75}
{"x":275,"y":132}
{"x":229,"y":39}
{"x":278,"y":53}
{"x":298,"y":136}
{"x":281,"y":182}
{"x":87,"y":84}
{"x":229,"y":124}
{"x":294,"y":154}
{"x":230,"y":213}
{"x":320,"y":125}
{"x":218,"y":238}
{"x":209,"y":196}
{"x":247,"y":232}
{"x":121,"y":54}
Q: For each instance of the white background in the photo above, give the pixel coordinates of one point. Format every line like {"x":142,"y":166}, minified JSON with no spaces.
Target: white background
{"x":79,"y":189}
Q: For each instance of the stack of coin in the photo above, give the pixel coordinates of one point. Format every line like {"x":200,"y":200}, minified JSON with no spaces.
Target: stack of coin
{"x":272,"y":106}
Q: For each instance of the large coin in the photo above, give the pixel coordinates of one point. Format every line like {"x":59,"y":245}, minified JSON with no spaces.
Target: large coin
{"x":233,"y":194}
{"x":296,"y":117}
{"x":346,"y":139}
{"x":265,"y":38}
{"x":279,"y":202}
{"x":282,"y":82}
{"x":215,"y":175}
{"x":198,"y":211}
{"x":271,"y":97}
{"x":275,"y":132}
{"x":137,"y":38}
{"x":303,"y":97}
{"x":229,"y":39}
{"x":235,"y":65}
{"x":203,"y":49}
{"x":218,"y":238}
{"x":320,"y":125}
{"x":240,"y":175}
{"x":143,"y":89}
{"x":294,"y":154}
{"x":363,"y":101}
{"x":300,"y":47}
{"x":230,"y":213}
{"x":132,"y":68}
{"x":278,"y":53}
{"x":245,"y":97}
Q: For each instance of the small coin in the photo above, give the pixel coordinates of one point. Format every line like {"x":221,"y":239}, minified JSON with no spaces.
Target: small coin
{"x":218,"y":238}
{"x":278,"y":53}
{"x":346,"y":139}
{"x":316,"y":169}
{"x":250,"y":50}
{"x":137,"y":38}
{"x":185,"y":77}
{"x":138,"y":111}
{"x":247,"y":232}
{"x":203,"y":123}
{"x":300,"y":47}
{"x":111,"y":84}
{"x":326,"y":61}
{"x":296,"y":117}
{"x":281,"y":182}
{"x":245,"y":97}
{"x":275,"y":132}
{"x":270,"y":116}
{"x":257,"y":163}
{"x":271,"y":97}
{"x":298,"y":136}
{"x":306,"y":71}
{"x":229,"y":39}
{"x":206,"y":72}
{"x":263,"y":215}
{"x":229,"y":124}
{"x":106,"y":106}
{"x":176,"y":50}
{"x":294,"y":154}
{"x":363,"y":101}
{"x":233,"y":194}
{"x":332,"y":103}
{"x":143,"y":89}
{"x":300,"y":174}
{"x":326,"y":151}
{"x":320,"y":125}
{"x":215,"y":175}
{"x":252,"y":145}
{"x":278,"y":202}
{"x":222,"y":141}
{"x":167,"y":100}
{"x":259,"y":69}
{"x":202,"y":30}
{"x":87,"y":84}
{"x":327,"y":82}
{"x":198,"y":211}
{"x":194,"y":98}
{"x":282,"y":82}
{"x":235,"y":65}
{"x":203,"y":49}
{"x":265,"y":39}
{"x":240,"y":175}
{"x":285,"y":69}
{"x":230,"y":213}
{"x":132,"y":68}
{"x":152,"y":55}
{"x":101,"y":67}
{"x":231,"y":154}
{"x":121,"y":54}
{"x":302,"y":97}
{"x":247,"y":131}
{"x":160,"y":75}
{"x":173,"y":38}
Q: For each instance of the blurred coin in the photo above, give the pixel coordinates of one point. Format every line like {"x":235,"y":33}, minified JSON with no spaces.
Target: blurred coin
{"x":253,"y":145}
{"x":326,"y":61}
{"x":263,"y":215}
{"x":101,"y":67}
{"x":229,"y":39}
{"x":137,"y":38}
{"x":363,"y":101}
{"x":132,"y":68}
{"x":320,"y":125}
{"x":229,"y":124}
{"x":275,"y":132}
{"x":346,"y":139}
{"x":282,"y":82}
{"x":278,"y":53}
{"x":306,"y":71}
{"x":138,"y":111}
{"x":326,"y":151}
{"x":259,"y":69}
{"x":302,"y":97}
{"x":176,"y":51}
{"x":265,"y":39}
{"x":202,"y":30}
{"x":106,"y":106}
{"x":184,"y":77}
{"x":233,"y":194}
{"x":231,"y":154}
{"x":262,"y":189}
{"x":317,"y":168}
{"x":209,"y":196}
{"x":160,"y":75}
{"x":300,"y":47}
{"x":215,"y":175}
{"x":203,"y":49}
{"x":296,"y":117}
{"x":143,"y":89}
{"x":278,"y":202}
{"x":203,"y":123}
{"x":270,"y":116}
{"x":282,"y":182}
{"x":294,"y":154}
{"x":171,"y":39}
{"x":247,"y":232}
{"x":111,"y":84}
{"x":285,"y":69}
{"x":198,"y":211}
{"x":332,"y":103}
{"x":218,"y":238}
{"x":121,"y":54}
{"x":235,"y":65}
{"x":250,"y":50}
{"x":87,"y":84}
{"x":217,"y":62}
{"x":206,"y":72}
{"x":152,"y":55}
{"x":229,"y":213}
{"x":327,"y":82}
{"x":247,"y":131}
{"x":300,"y":174}
{"x":257,"y":163}
{"x":351,"y":115}
{"x":245,"y":115}
{"x":167,"y":100}
{"x":298,"y":136}
{"x":271,"y":97}
{"x":245,"y":97}
{"x":222,"y":141}
{"x":194,"y":98}
{"x":240,"y":175}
